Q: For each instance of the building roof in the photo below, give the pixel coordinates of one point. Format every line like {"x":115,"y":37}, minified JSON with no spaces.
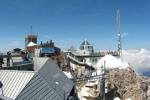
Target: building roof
{"x":85,"y":42}
{"x":38,"y":89}
{"x":53,"y":75}
{"x":31,"y":44}
{"x":39,"y":62}
{"x":47,"y":83}
{"x":14,"y":81}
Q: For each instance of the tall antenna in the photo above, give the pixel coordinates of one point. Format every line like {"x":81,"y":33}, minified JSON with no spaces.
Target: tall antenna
{"x":119,"y":34}
{"x":31,"y":29}
{"x":31,"y":32}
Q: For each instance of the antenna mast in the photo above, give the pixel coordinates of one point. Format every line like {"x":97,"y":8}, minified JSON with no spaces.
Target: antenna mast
{"x":31,"y":32}
{"x":31,"y":29}
{"x":119,"y":34}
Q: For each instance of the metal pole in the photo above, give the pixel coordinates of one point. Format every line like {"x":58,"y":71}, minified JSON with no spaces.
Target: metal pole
{"x":102,"y":83}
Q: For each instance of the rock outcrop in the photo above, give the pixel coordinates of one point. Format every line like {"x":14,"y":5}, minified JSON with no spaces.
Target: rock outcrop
{"x":124,"y":83}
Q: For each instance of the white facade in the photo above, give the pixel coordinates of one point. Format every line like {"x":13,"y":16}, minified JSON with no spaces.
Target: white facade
{"x":85,"y":49}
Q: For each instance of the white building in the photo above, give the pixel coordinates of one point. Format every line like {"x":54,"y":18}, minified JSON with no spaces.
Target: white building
{"x":82,"y":55}
{"x":85,"y":48}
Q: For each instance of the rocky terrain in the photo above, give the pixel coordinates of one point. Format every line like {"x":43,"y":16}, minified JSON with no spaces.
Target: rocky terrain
{"x":127,"y":85}
{"x":123,"y":83}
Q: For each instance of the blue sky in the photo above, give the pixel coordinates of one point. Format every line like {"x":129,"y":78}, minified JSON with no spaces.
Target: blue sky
{"x":69,"y":22}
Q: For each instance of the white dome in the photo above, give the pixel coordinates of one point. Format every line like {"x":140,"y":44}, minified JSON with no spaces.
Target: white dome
{"x":110,"y":62}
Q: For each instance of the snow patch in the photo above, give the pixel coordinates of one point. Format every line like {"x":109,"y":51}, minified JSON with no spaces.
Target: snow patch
{"x":68,"y":74}
{"x":111,"y":62}
{"x":116,"y":98}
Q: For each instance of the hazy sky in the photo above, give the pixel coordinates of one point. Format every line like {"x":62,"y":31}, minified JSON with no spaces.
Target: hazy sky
{"x":68,"y":22}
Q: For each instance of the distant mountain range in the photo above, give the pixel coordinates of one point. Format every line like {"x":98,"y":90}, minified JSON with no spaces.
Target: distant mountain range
{"x":146,"y":73}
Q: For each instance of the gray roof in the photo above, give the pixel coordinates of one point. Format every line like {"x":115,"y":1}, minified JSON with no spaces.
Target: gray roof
{"x":85,"y":42}
{"x":39,"y":62}
{"x":52,"y":74}
{"x":38,"y":89}
{"x":48,"y":83}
